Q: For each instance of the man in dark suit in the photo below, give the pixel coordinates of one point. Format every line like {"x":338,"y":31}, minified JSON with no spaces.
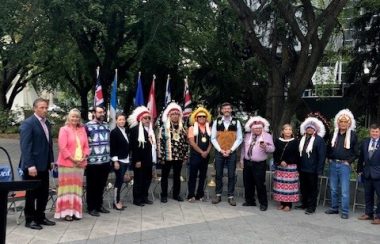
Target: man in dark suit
{"x":369,"y":167}
{"x":36,"y":159}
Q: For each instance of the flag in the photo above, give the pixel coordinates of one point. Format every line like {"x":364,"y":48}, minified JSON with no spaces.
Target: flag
{"x":168,"y":95}
{"x":187,"y":100}
{"x":113,"y":104}
{"x":98,"y":98}
{"x":152,"y":99}
{"x":139,"y":98}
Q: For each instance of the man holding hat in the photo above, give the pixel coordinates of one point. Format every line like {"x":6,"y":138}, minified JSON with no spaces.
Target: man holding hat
{"x":199,"y":138}
{"x":143,"y":145}
{"x":226,"y":136}
{"x":258,"y":143}
{"x":341,"y":154}
{"x":173,"y":149}
{"x":312,"y":149}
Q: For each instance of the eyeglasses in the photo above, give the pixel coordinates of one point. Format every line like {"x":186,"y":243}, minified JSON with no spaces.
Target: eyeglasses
{"x":146,"y":118}
{"x":201,"y":116}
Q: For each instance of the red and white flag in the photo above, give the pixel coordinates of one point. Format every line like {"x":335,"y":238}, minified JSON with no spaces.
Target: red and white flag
{"x":187,"y":100}
{"x":152,"y":99}
{"x":98,"y":97}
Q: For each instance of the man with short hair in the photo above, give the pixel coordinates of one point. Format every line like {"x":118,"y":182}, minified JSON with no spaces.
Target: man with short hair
{"x":341,"y":155}
{"x":36,"y":146}
{"x":369,"y":169}
{"x":226,"y":137}
{"x":98,"y":165}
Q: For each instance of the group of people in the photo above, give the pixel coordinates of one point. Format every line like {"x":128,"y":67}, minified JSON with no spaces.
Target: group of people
{"x":92,"y":149}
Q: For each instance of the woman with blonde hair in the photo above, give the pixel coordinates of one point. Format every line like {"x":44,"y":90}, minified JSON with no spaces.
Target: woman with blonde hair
{"x":72,"y":159}
{"x":286,"y":157}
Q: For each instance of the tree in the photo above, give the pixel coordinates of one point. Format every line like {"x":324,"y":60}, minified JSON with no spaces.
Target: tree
{"x":18,"y":44}
{"x":289,"y":38}
{"x":364,"y":69}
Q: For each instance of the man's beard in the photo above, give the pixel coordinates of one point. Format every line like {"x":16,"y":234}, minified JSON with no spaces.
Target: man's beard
{"x":100,"y":118}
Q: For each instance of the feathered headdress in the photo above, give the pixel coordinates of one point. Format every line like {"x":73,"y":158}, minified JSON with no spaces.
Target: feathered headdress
{"x":319,"y":129}
{"x":257,"y":121}
{"x":193,"y":119}
{"x":344,"y":115}
{"x":135,"y":120}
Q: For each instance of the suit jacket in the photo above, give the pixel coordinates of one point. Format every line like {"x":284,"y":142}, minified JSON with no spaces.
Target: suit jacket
{"x":36,"y":150}
{"x":140,"y":153}
{"x":370,"y":167}
{"x":316,"y":161}
{"x":119,"y":145}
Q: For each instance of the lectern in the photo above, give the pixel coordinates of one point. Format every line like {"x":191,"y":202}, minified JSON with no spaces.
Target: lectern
{"x":5,"y":188}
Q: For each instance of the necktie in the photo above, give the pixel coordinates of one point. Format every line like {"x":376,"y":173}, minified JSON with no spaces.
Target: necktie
{"x":372,"y":148}
{"x":253,"y":142}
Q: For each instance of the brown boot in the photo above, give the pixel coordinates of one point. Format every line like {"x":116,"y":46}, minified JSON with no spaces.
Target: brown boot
{"x":365,"y":217}
{"x":376,"y":221}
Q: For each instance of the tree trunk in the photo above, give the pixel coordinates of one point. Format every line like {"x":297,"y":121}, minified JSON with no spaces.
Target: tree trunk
{"x":84,"y":105}
{"x":275,"y":100}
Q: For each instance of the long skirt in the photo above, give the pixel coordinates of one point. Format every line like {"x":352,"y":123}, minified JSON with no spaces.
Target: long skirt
{"x":70,"y":191}
{"x":286,"y":184}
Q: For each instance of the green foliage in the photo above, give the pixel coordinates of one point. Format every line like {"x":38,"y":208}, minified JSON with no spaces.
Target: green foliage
{"x":7,"y":120}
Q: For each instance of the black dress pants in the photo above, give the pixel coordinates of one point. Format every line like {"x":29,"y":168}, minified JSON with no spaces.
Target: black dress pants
{"x":141,"y":182}
{"x":96,"y":179}
{"x":37,"y":198}
{"x":309,"y":190}
{"x":197,"y":165}
{"x":254,"y":177}
{"x":177,"y":166}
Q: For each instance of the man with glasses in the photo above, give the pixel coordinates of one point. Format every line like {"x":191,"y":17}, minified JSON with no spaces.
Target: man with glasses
{"x":341,"y":155}
{"x":173,"y":150}
{"x":143,"y":144}
{"x":98,"y":166}
{"x":226,"y":136}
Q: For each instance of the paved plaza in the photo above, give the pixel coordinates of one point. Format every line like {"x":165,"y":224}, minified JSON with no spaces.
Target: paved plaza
{"x":200,"y":222}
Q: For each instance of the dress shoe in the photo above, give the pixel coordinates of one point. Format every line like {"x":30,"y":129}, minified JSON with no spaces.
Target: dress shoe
{"x":310,"y":211}
{"x":140,"y":204}
{"x":263,"y":208}
{"x":94,"y":213}
{"x":365,"y":217}
{"x":33,"y":225}
{"x":46,"y":222}
{"x":344,"y":216}
{"x":232,"y":201}
{"x":216,"y":200}
{"x":376,"y":221}
{"x":147,"y":201}
{"x":300,"y":207}
{"x":103,"y":210}
{"x":331,"y":211}
{"x":164,"y":199}
{"x":247,"y":204}
{"x":178,"y":198}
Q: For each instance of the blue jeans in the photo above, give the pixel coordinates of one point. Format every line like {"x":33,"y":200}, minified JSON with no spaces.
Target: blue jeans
{"x":340,"y":173}
{"x":230,"y":162}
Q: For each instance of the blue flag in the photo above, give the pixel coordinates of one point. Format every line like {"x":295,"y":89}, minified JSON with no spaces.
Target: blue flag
{"x":113,"y":105}
{"x":168,"y":94}
{"x":139,"y":98}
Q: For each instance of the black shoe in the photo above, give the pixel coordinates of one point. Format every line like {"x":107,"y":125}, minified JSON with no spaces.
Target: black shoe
{"x":263,"y":208}
{"x":344,"y":216}
{"x":309,"y":211}
{"x":216,"y":200}
{"x":46,"y":222}
{"x":300,"y":207}
{"x":231,"y":201}
{"x":33,"y":225}
{"x":164,"y":199}
{"x":247,"y":204}
{"x":147,"y":201}
{"x":103,"y":210}
{"x":94,"y":213}
{"x":331,"y":211}
{"x":140,"y":204}
{"x":178,"y":198}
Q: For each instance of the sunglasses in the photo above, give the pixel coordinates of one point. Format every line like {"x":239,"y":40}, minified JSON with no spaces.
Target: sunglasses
{"x":201,"y":116}
{"x":147,"y":118}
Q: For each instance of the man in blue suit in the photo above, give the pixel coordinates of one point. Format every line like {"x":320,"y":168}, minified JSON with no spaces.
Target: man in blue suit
{"x":369,"y":167}
{"x":36,"y":159}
